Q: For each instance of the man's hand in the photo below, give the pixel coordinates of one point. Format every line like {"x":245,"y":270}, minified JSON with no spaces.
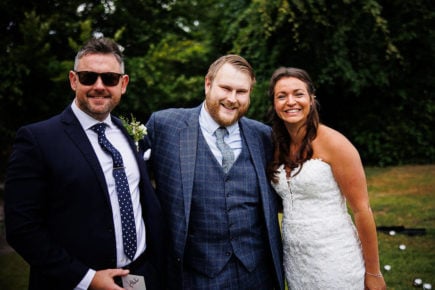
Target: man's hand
{"x":103,"y":280}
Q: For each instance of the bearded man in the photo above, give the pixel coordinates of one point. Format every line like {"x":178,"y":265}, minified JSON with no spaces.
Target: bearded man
{"x":209,"y":165}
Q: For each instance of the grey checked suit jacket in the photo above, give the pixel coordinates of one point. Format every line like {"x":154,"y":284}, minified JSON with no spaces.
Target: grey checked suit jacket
{"x":172,"y":136}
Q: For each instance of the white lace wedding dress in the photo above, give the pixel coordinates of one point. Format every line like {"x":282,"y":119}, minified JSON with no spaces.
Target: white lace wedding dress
{"x":321,"y":245}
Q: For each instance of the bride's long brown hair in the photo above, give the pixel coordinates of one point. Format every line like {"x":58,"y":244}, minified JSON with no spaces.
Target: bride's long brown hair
{"x":280,"y":136}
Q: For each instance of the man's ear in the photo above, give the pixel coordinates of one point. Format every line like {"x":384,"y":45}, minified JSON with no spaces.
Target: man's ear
{"x":207,"y":85}
{"x":73,"y":80}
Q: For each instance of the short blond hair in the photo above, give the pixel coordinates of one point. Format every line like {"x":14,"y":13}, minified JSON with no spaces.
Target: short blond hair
{"x":235,"y":60}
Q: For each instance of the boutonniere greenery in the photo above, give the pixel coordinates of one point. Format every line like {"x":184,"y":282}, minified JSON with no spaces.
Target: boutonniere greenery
{"x":135,"y":129}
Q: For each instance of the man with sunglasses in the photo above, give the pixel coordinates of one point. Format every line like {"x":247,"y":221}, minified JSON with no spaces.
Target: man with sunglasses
{"x":65,"y":193}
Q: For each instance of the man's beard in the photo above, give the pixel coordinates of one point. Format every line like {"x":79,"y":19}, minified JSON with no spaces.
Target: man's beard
{"x":214,"y":108}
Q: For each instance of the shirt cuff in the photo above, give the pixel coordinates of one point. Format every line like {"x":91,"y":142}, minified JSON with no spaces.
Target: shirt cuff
{"x":86,"y":281}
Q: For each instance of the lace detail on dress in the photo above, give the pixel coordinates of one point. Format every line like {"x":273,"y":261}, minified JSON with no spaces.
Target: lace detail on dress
{"x":321,"y":245}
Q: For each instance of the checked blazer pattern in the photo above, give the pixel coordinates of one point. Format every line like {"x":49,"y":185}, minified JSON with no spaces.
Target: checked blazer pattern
{"x":173,"y":135}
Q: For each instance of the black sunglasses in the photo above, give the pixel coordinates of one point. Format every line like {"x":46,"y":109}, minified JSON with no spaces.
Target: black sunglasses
{"x":88,"y":78}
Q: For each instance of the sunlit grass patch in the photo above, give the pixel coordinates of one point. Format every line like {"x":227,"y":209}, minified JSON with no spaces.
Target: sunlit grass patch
{"x":405,"y":196}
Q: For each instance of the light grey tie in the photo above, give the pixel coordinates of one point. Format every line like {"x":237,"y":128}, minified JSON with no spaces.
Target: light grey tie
{"x":227,"y":152}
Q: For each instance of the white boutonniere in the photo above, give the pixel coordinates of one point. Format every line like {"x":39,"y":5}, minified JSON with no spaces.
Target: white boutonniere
{"x":135,"y":129}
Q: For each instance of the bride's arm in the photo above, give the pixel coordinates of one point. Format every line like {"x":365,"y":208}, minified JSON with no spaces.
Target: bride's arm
{"x":349,"y":173}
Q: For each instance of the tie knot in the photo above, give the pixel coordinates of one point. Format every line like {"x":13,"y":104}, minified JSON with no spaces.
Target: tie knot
{"x":221,"y":132}
{"x":99,"y":128}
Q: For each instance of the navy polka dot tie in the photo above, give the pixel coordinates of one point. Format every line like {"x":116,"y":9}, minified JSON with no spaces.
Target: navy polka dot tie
{"x":227,"y":152}
{"x":123,"y":190}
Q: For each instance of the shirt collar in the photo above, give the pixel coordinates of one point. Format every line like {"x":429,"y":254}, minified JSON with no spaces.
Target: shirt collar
{"x":208,"y":124}
{"x":87,"y":121}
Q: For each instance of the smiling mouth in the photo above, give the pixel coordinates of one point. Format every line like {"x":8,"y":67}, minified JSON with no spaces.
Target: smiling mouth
{"x":293,"y":110}
{"x":229,"y":107}
{"x":98,"y":97}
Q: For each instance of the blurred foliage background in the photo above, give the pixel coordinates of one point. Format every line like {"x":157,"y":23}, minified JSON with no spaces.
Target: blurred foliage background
{"x":372,"y":61}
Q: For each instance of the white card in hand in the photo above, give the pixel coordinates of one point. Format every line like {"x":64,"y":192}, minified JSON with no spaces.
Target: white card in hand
{"x":133,"y":282}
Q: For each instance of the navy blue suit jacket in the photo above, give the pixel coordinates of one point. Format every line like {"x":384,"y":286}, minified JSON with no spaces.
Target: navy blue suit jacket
{"x":173,"y":136}
{"x":57,"y":207}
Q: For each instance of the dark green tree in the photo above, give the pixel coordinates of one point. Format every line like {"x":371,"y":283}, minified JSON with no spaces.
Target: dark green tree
{"x":39,"y":42}
{"x":362,"y":55}
{"x":372,"y":60}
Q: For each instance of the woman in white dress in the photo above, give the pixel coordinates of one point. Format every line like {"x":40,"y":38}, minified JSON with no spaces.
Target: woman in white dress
{"x":316,"y":170}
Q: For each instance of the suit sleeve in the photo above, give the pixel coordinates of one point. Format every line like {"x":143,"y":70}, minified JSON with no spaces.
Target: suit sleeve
{"x":27,"y":190}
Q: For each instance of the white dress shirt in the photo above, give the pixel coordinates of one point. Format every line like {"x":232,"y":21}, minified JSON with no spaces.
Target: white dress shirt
{"x":208,"y":127}
{"x":120,"y":142}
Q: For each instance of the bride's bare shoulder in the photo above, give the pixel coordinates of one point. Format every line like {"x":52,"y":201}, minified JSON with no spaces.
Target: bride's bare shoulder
{"x":330,"y":142}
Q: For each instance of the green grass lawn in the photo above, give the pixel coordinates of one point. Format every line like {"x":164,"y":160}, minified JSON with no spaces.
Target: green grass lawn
{"x":399,"y":196}
{"x":13,"y":272}
{"x":405,"y":196}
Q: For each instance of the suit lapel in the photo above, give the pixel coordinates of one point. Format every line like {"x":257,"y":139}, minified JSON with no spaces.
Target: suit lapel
{"x":188,"y":150}
{"x":144,"y":179}
{"x":78,"y":137}
{"x":140,"y":162}
{"x":118,"y":123}
{"x":130,"y":140}
{"x":258,"y":159}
